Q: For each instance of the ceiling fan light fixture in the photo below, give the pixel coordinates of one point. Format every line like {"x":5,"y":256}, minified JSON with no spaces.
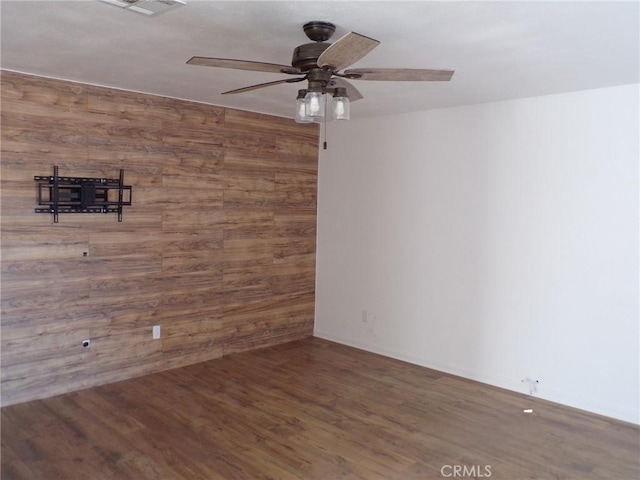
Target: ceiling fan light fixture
{"x":340,"y":107}
{"x":314,"y":104}
{"x":301,"y":108}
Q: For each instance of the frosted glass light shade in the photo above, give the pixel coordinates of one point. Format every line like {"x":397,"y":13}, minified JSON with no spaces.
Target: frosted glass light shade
{"x":314,"y":105}
{"x":301,"y":113}
{"x":340,"y":108}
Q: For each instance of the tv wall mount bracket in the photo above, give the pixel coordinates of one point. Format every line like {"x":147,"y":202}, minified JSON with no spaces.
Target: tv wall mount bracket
{"x":82,"y":195}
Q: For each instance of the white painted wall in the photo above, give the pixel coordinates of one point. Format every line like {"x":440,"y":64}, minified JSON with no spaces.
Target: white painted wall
{"x":496,"y":241}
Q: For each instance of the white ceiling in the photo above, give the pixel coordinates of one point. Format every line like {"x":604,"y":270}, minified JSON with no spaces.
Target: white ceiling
{"x":499,"y":50}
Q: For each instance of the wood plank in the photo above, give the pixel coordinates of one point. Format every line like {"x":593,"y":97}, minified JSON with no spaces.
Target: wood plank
{"x":253,"y":199}
{"x":286,"y":181}
{"x":242,"y":120}
{"x":115,"y":243}
{"x":82,"y":268}
{"x":120,"y":104}
{"x":159,"y":284}
{"x":292,"y":149}
{"x":236,"y":157}
{"x":287,"y":251}
{"x":212,"y":177}
{"x":195,"y":139}
{"x":178,"y":218}
{"x":298,"y":223}
{"x":28,"y":133}
{"x":184,"y":198}
{"x":30,"y":91}
{"x":170,"y":113}
{"x":28,"y":244}
{"x":191,"y":114}
{"x":189,"y":262}
{"x":22,"y":299}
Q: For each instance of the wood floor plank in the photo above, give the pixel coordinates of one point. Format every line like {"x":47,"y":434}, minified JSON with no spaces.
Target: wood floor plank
{"x":309,"y":409}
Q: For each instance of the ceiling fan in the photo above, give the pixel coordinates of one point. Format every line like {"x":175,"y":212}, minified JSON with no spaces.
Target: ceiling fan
{"x":321,"y":64}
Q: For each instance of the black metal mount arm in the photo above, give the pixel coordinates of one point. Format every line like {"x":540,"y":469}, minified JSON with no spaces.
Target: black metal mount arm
{"x":81,"y":194}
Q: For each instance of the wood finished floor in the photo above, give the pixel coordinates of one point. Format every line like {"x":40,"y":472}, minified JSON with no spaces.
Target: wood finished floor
{"x":310,"y":409}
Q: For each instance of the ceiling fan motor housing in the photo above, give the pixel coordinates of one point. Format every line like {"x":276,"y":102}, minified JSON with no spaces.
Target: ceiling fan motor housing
{"x":305,"y":57}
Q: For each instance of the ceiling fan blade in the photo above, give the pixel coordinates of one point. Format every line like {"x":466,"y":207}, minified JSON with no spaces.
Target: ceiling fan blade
{"x":352,"y":92}
{"x":400,"y":74}
{"x":243,"y":65}
{"x":346,"y":51}
{"x":263,"y":85}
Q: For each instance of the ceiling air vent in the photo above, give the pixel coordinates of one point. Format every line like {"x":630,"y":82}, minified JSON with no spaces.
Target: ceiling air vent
{"x":148,"y":7}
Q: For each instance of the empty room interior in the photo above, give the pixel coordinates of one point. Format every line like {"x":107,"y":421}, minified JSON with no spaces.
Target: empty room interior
{"x":320,"y":240}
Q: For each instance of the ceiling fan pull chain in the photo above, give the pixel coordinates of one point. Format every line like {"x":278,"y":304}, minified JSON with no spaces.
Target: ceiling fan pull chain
{"x":324,"y":129}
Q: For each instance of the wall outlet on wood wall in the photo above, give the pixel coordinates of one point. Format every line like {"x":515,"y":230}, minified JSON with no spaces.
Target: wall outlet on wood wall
{"x":156,"y":332}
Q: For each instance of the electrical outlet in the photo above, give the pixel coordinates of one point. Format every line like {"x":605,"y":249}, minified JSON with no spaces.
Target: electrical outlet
{"x":368,"y":316}
{"x":86,"y":343}
{"x":532,"y":383}
{"x":156,"y":332}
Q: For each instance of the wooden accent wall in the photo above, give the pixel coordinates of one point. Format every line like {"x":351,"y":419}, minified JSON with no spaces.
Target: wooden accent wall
{"x":218,"y":247}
